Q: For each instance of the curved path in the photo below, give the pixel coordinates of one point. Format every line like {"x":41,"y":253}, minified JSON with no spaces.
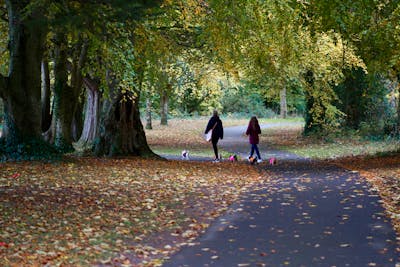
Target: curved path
{"x":311,"y":214}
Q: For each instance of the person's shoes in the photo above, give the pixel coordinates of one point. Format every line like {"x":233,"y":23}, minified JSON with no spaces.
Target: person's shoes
{"x":259,"y":160}
{"x":216,"y":160}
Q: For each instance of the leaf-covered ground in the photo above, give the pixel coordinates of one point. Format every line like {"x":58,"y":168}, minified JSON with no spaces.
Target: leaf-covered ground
{"x":131,"y":211}
{"x":85,"y":211}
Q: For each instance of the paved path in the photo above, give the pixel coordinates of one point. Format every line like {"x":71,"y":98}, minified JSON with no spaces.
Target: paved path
{"x":312,"y":214}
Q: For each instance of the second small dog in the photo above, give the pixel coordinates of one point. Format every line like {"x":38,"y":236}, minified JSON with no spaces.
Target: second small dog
{"x":252,"y":160}
{"x":233,"y":158}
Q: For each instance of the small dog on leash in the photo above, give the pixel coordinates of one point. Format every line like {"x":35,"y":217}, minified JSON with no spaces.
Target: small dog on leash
{"x":253,"y":160}
{"x":233,"y":158}
{"x":185,"y":155}
{"x":272,"y":161}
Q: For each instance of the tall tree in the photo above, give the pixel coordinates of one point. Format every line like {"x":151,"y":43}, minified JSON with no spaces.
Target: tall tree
{"x":21,"y":89}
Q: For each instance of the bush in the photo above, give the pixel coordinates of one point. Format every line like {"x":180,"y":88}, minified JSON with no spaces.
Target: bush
{"x":32,"y":149}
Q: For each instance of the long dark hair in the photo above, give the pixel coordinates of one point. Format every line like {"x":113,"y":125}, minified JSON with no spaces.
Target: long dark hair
{"x":253,"y":123}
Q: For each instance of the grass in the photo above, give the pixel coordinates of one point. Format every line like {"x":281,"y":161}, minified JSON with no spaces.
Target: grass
{"x":290,"y":138}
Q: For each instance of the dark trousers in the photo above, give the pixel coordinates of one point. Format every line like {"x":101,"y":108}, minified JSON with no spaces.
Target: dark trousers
{"x":214,"y":142}
{"x":254,"y":147}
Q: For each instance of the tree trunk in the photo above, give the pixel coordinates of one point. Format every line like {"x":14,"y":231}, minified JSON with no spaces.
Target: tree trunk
{"x":22,"y":94}
{"x":63,"y":96}
{"x":283,"y":110}
{"x":79,"y":60}
{"x":89,"y":132}
{"x":66,"y":98}
{"x":148,"y":114}
{"x":311,"y":126}
{"x":164,"y":107}
{"x":398,"y":105}
{"x":121,"y":130}
{"x":46,"y":93}
{"x":77,"y":120}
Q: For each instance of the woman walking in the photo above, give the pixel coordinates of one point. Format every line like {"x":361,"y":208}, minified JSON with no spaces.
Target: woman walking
{"x":253,"y":130}
{"x":215,"y":125}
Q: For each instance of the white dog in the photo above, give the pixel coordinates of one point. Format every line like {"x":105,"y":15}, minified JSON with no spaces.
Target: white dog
{"x":185,"y":155}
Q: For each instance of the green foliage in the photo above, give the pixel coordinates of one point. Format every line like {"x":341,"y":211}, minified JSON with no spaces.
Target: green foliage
{"x":4,"y":53}
{"x":365,"y":99}
{"x":241,"y":100}
{"x":32,"y":149}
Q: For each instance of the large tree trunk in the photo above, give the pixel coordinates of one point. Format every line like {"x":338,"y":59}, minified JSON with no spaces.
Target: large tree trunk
{"x":283,"y":110}
{"x":79,"y":60}
{"x":66,"y":98}
{"x":89,"y":132}
{"x":63,"y":96}
{"x":46,"y":93}
{"x":121,"y":130}
{"x":398,"y":105}
{"x":148,"y":114}
{"x":22,"y":92}
{"x":164,"y":107}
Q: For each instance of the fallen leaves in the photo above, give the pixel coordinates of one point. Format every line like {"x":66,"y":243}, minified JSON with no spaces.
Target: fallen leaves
{"x":86,"y":211}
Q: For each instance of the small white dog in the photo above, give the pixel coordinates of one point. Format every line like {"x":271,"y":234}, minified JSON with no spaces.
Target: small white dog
{"x":185,"y":155}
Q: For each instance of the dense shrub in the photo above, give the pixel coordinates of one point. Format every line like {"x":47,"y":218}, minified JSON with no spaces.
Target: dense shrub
{"x":29,"y":150}
{"x":363,"y":98}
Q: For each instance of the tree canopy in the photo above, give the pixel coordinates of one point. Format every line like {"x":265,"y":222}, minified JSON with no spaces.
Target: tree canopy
{"x":100,"y":60}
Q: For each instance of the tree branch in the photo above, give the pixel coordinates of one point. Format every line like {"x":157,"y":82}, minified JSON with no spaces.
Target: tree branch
{"x":91,"y":84}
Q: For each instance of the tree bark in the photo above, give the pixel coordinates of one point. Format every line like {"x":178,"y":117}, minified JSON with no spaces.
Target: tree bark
{"x":311,"y":126}
{"x":22,"y":94}
{"x":398,"y":105}
{"x":63,"y":95}
{"x":90,"y":131}
{"x":148,"y":114}
{"x":283,"y":110}
{"x":46,"y":93}
{"x":121,"y":130}
{"x":3,"y":85}
{"x":79,"y":60}
{"x":164,"y":107}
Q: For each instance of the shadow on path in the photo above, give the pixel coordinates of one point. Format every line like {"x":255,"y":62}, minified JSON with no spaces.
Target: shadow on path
{"x":311,"y":214}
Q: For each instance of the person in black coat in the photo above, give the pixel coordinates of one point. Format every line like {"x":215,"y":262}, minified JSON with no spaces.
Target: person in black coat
{"x":215,"y":124}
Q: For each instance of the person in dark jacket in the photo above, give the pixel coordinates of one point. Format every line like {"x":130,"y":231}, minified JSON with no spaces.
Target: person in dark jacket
{"x":215,"y":124}
{"x":253,"y":130}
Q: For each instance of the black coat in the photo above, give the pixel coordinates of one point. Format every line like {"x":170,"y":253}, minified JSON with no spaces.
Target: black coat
{"x":218,"y":132}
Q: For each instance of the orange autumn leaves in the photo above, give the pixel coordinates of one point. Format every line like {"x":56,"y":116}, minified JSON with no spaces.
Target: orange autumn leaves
{"x":91,"y":210}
